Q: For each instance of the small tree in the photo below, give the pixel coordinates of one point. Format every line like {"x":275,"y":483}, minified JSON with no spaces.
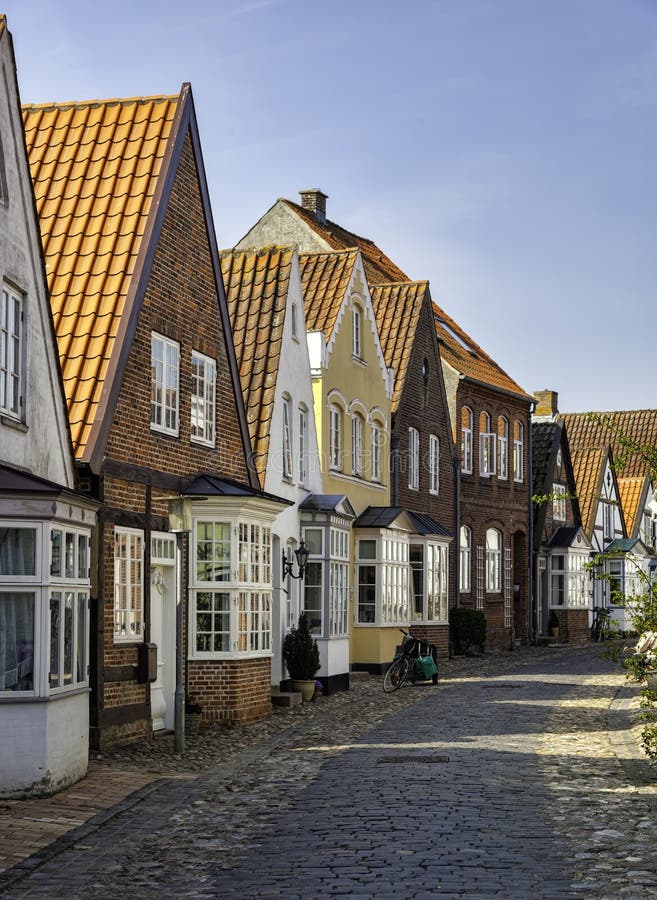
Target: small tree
{"x":300,"y":651}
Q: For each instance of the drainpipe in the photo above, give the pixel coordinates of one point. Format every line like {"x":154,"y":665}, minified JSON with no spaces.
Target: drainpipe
{"x":394,"y":467}
{"x":532,"y":612}
{"x":457,"y":525}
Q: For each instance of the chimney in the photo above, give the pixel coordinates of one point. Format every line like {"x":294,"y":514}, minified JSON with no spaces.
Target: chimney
{"x":547,"y":404}
{"x":315,"y":202}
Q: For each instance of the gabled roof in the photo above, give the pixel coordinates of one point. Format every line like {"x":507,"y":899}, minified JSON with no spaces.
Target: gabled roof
{"x":633,"y":492}
{"x":464,"y":355}
{"x":425,"y":524}
{"x":95,"y":168}
{"x":207,"y":485}
{"x":397,"y":307}
{"x":628,"y":432}
{"x":325,"y":279}
{"x":378,"y":267}
{"x":589,"y":464}
{"x":565,"y":537}
{"x":256,"y":284}
{"x":547,"y":440}
{"x":333,"y":503}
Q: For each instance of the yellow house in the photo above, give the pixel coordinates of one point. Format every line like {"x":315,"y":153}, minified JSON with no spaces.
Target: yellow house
{"x":352,"y":395}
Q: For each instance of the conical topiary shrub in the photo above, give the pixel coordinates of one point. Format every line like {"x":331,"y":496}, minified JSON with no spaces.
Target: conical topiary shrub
{"x":300,"y":651}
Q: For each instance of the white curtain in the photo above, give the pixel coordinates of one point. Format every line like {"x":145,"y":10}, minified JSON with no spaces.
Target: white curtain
{"x":17,"y":641}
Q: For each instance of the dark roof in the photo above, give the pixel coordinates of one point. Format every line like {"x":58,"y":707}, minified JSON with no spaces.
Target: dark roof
{"x":425,"y":524}
{"x":378,"y":516}
{"x":564,"y":536}
{"x":545,"y":437}
{"x":205,"y":485}
{"x":328,"y":503}
{"x":24,"y":482}
{"x":625,"y":545}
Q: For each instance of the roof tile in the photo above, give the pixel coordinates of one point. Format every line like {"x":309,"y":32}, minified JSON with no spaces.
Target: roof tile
{"x":325,"y":278}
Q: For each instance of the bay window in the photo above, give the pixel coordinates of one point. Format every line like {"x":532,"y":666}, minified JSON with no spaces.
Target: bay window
{"x":382,"y":571}
{"x":429,"y":573}
{"x":569,"y":579}
{"x":230,"y":590}
{"x":326,"y":579}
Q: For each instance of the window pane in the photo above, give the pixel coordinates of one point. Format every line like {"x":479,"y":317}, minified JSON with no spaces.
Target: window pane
{"x":55,"y":632}
{"x":313,"y":596}
{"x":68,"y":638}
{"x":81,"y":643}
{"x":70,"y":555}
{"x":16,"y":641}
{"x":366,"y":594}
{"x":313,"y":540}
{"x":17,"y":551}
{"x":367,"y":549}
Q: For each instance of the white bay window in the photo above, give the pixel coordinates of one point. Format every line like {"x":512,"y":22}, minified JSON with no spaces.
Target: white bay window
{"x":383,"y":589}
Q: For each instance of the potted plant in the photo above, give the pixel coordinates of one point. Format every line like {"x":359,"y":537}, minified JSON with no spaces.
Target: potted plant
{"x":301,"y":656}
{"x":553,"y":624}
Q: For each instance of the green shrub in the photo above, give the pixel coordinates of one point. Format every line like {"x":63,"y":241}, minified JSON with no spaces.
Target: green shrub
{"x":467,"y":629}
{"x":300,"y":651}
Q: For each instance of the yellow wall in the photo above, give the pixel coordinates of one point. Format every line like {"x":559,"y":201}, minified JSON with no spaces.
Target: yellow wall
{"x":374,"y":645}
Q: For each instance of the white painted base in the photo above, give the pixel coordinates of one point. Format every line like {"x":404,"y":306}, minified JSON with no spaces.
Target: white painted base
{"x":44,"y":744}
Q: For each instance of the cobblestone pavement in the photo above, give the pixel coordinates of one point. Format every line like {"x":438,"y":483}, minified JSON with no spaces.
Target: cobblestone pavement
{"x":515,"y":777}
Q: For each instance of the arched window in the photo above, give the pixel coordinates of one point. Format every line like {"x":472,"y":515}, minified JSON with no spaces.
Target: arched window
{"x":493,"y":561}
{"x":466,"y":439}
{"x":465,"y":560}
{"x":502,"y":448}
{"x":518,"y":450}
{"x":434,"y":464}
{"x":303,"y":444}
{"x":486,"y":446}
{"x":413,"y":459}
{"x":357,"y":427}
{"x":287,"y":437}
{"x":357,"y":332}
{"x":335,"y":437}
{"x":376,"y":437}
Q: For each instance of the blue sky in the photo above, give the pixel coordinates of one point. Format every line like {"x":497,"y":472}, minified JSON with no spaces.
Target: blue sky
{"x":505,"y":150}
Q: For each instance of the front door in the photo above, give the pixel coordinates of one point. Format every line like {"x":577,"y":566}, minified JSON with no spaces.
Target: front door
{"x":163,"y":634}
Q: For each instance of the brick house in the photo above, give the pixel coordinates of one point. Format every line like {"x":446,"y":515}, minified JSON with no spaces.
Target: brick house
{"x":561,"y":548}
{"x":423,"y":476}
{"x":490,"y":420}
{"x":45,"y":523}
{"x":155,"y":411}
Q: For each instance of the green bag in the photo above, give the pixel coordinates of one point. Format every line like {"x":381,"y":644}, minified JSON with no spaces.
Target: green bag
{"x":425,"y":666}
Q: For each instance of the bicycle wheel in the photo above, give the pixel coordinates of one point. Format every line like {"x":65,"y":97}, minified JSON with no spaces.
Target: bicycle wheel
{"x":396,"y":674}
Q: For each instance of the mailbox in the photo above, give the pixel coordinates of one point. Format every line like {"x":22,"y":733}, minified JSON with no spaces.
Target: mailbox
{"x":147,"y":663}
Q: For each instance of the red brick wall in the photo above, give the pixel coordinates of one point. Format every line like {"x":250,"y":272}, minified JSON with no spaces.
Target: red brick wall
{"x":434,"y":634}
{"x":231,"y":691}
{"x":573,"y":625}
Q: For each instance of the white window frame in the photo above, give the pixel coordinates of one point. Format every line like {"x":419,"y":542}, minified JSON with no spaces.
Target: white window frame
{"x":335,"y":437}
{"x":466,"y":439}
{"x":434,"y":465}
{"x":486,"y":446}
{"x":435,"y":583}
{"x":303,"y":445}
{"x":287,"y":438}
{"x":165,"y":379}
{"x":518,"y":452}
{"x":559,"y":502}
{"x":12,"y":314}
{"x":503,"y":448}
{"x":134,"y":588}
{"x":357,"y":429}
{"x":494,"y":561}
{"x":392,"y":583}
{"x":339,"y":582}
{"x":317,"y":558}
{"x":357,"y":332}
{"x":203,"y":399}
{"x":413,"y":459}
{"x":244,"y":582}
{"x":294,"y":324}
{"x":375,"y":437}
{"x":465,"y":560}
{"x":608,"y":521}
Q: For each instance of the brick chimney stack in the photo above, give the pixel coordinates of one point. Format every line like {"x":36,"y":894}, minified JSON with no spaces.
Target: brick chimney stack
{"x":315,"y":202}
{"x":547,"y":404}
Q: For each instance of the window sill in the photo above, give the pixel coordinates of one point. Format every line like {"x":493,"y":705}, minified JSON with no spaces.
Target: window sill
{"x":10,"y":422}
{"x":359,"y":361}
{"x":229,"y":657}
{"x":55,"y":694}
{"x":163,"y":432}
{"x":197,"y":442}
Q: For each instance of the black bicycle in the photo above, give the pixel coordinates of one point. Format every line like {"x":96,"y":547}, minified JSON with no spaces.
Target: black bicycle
{"x":601,"y":623}
{"x":407,"y":663}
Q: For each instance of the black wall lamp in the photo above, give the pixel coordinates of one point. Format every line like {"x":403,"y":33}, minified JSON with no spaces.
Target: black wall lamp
{"x":301,"y":554}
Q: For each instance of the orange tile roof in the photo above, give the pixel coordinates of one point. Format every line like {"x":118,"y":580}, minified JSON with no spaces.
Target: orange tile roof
{"x":466,"y":356}
{"x":631,"y":494}
{"x":3,"y":23}
{"x":95,"y":166}
{"x":378,"y":267}
{"x":325,"y":278}
{"x":632,"y":435}
{"x":397,"y":307}
{"x":588,"y":465}
{"x":256,"y":284}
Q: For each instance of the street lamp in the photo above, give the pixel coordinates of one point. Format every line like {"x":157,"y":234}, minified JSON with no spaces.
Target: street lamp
{"x":301,"y":554}
{"x":180,"y":523}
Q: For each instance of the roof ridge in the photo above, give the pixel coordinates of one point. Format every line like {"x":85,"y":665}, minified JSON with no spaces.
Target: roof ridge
{"x":345,"y":252}
{"x":389,"y":284}
{"x":110,"y":101}
{"x":239,"y":251}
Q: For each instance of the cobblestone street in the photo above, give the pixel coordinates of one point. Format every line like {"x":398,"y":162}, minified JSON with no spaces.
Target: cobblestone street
{"x":517,"y":776}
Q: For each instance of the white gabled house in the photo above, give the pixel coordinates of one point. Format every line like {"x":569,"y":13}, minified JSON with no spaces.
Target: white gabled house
{"x":45,"y":526}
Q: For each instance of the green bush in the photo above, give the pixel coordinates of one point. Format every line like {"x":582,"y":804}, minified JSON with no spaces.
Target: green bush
{"x":300,"y":651}
{"x":467,"y":629}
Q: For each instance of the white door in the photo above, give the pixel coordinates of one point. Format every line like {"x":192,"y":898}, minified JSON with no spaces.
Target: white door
{"x":163,"y":634}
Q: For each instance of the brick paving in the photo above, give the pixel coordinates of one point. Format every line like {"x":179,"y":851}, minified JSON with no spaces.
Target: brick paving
{"x":524,"y":780}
